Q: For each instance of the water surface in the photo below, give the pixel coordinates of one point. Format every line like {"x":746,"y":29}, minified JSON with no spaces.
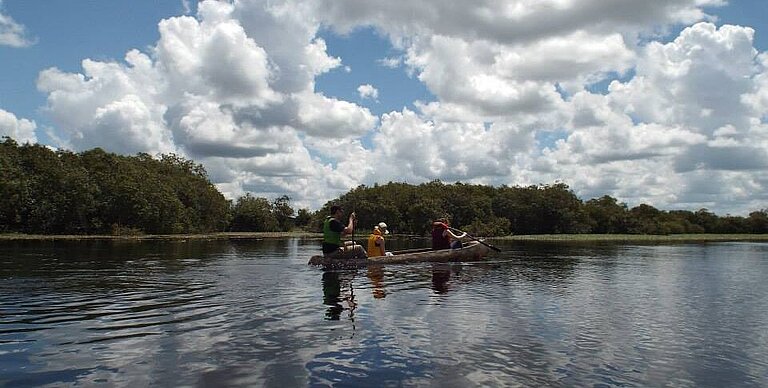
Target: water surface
{"x":252,"y":313}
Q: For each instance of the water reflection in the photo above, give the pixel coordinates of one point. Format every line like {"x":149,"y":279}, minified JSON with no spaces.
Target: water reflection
{"x":252,"y":313}
{"x":339,"y":294}
{"x":441,"y":273}
{"x":376,"y":276}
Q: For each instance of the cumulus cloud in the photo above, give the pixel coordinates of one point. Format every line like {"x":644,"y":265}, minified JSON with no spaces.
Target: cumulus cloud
{"x":368,"y":91}
{"x":21,"y":130}
{"x":110,"y":105}
{"x":329,"y":117}
{"x":407,"y":147}
{"x":697,"y":79}
{"x":688,"y":111}
{"x":757,"y":99}
{"x":511,"y":22}
{"x":12,"y":33}
{"x":462,"y":73}
{"x":234,"y":88}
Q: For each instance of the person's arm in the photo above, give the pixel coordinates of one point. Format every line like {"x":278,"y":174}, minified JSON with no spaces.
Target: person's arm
{"x":350,"y":225}
{"x":454,"y":235}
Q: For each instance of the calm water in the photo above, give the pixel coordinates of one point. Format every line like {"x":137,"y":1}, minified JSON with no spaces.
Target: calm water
{"x":252,"y":313}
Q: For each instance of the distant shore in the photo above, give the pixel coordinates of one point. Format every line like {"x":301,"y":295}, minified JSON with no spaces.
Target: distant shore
{"x":705,"y":237}
{"x":174,"y":237}
{"x":301,"y":234}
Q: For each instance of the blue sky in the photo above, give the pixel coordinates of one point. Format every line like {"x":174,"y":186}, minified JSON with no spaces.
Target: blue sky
{"x":271,"y":95}
{"x":65,"y":35}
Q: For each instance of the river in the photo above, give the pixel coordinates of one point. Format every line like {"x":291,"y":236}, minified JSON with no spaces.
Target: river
{"x":253,"y":313}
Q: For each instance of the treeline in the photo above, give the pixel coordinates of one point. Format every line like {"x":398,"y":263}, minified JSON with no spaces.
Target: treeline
{"x":94,"y":192}
{"x":539,"y":209}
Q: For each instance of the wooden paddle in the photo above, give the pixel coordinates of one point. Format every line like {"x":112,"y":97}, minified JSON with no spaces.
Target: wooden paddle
{"x":476,"y":239}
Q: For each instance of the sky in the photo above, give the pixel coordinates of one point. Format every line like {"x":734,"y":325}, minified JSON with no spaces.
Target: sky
{"x":658,"y":102}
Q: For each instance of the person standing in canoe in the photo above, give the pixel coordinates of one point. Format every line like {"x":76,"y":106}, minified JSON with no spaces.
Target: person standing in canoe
{"x":376,"y":240}
{"x":333,"y":230}
{"x":443,"y":237}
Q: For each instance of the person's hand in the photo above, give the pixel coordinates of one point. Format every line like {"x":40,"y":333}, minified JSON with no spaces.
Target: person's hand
{"x":353,"y":216}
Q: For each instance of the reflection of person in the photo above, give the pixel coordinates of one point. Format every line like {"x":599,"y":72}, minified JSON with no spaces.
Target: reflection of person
{"x":376,"y":240}
{"x":443,"y":237}
{"x":333,"y":230}
{"x":376,"y":274}
{"x":333,"y":296}
{"x":441,"y":273}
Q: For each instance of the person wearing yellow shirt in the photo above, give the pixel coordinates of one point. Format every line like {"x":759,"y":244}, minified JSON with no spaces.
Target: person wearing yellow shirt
{"x":376,"y":240}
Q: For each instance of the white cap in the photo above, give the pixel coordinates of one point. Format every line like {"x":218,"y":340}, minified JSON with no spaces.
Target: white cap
{"x":383,"y":226}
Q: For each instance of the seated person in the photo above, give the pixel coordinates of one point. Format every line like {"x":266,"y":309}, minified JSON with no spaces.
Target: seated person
{"x":333,"y":230}
{"x":376,"y":240}
{"x":443,"y":237}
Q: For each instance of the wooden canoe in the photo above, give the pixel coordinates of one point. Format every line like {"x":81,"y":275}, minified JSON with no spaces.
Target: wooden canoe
{"x":472,"y":251}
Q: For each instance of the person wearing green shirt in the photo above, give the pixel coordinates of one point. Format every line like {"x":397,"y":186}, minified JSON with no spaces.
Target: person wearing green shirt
{"x":334,"y":230}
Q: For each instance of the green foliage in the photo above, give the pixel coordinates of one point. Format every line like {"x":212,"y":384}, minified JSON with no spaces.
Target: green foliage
{"x":253,"y":214}
{"x":56,"y":192}
{"x":257,"y":214}
{"x":537,"y":209}
{"x":283,"y":213}
{"x":758,"y":221}
{"x":493,"y":226}
{"x":303,"y":218}
{"x":606,"y":215}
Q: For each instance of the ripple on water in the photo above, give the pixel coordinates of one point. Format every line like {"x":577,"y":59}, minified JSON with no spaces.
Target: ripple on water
{"x":255,"y":314}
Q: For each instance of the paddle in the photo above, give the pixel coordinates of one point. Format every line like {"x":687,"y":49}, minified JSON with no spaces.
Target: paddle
{"x":476,"y":239}
{"x":354,"y":226}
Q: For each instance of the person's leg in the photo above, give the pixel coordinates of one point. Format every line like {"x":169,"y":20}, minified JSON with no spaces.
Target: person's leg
{"x":337,"y":254}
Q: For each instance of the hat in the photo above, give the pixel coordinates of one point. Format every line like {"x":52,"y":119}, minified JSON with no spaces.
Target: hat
{"x":383,"y":226}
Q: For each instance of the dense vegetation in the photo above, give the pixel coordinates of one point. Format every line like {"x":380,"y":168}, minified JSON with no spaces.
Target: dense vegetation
{"x":539,"y":209}
{"x":94,"y":192}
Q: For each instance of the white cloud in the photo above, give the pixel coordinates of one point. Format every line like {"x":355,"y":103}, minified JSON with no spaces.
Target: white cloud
{"x":113,"y":106}
{"x":464,"y":74}
{"x":391,"y":62}
{"x":511,"y":21}
{"x":21,"y":130}
{"x":696,"y":80}
{"x":234,"y":94}
{"x":685,"y":113}
{"x":12,"y":33}
{"x":758,"y":98}
{"x":368,"y":91}
{"x":234,"y":88}
{"x":328,"y":117}
{"x":214,"y":59}
{"x":409,"y":148}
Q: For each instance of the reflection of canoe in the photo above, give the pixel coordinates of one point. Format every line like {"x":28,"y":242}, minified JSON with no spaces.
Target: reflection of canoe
{"x":472,"y":251}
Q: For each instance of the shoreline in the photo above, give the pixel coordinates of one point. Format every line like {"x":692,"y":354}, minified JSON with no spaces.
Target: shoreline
{"x":704,"y":237}
{"x":315,"y":235}
{"x":158,"y":237}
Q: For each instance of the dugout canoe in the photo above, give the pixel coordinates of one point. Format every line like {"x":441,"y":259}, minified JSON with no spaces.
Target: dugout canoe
{"x":472,"y":251}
